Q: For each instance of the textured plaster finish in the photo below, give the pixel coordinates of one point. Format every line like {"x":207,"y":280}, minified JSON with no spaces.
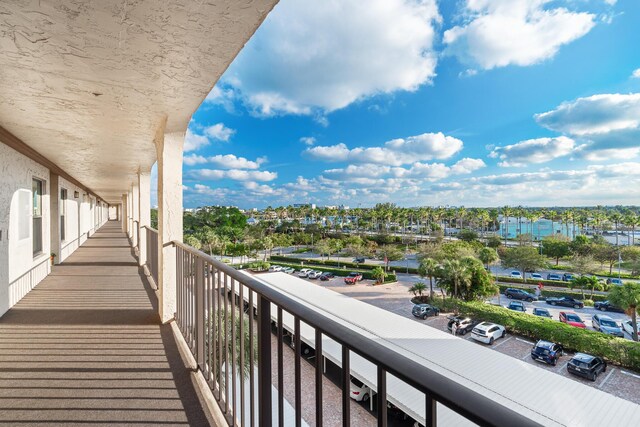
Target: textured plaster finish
{"x":20,"y":271}
{"x":87,"y":83}
{"x":135,"y":205}
{"x":144,"y":188}
{"x":169,"y":147}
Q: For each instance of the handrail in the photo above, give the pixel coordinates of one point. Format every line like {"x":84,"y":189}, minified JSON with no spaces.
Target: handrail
{"x":149,"y":228}
{"x":472,"y":405}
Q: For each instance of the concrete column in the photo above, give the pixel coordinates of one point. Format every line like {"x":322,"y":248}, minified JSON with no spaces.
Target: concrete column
{"x":144,"y":196}
{"x":54,"y":215}
{"x":135,"y":216}
{"x":169,"y":153}
{"x":125,"y":215}
{"x":129,"y":214}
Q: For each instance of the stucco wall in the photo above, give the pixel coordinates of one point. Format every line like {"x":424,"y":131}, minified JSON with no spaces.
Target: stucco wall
{"x":20,"y":271}
{"x":72,"y":219}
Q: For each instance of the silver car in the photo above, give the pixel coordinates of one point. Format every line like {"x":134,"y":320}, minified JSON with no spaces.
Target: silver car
{"x":607,"y":325}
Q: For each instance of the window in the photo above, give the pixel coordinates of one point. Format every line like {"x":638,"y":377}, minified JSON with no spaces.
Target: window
{"x":37,"y":189}
{"x":63,"y":214}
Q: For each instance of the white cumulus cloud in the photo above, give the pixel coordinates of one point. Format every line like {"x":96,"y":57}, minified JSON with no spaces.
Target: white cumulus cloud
{"x":308,"y":140}
{"x":219,"y":131}
{"x":539,"y":150}
{"x":234,"y":174}
{"x":325,"y":55}
{"x":514,"y":32}
{"x":226,"y":161}
{"x":636,"y":73}
{"x":193,"y":141}
{"x":396,"y":152}
{"x":595,"y":114}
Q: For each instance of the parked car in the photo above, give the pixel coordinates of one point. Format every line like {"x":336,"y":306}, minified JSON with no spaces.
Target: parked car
{"x":304,"y":272}
{"x":359,"y":260}
{"x":515,"y":275}
{"x":587,"y":366}
{"x":542,"y":312}
{"x":521,"y":294}
{"x":288,"y":270}
{"x":547,"y":352}
{"x":627,"y":326}
{"x":359,"y":391}
{"x":567,"y":277}
{"x":425,"y":310}
{"x":617,"y":282}
{"x":607,"y":306}
{"x":275,"y":268}
{"x":517,"y":306}
{"x":487,"y":332}
{"x":572,"y":319}
{"x":554,"y":276}
{"x":327,"y":276}
{"x":536,"y":276}
{"x":314,"y":274}
{"x":565,"y":302}
{"x":605,"y":324}
{"x":465,"y":324}
{"x":353,"y":278}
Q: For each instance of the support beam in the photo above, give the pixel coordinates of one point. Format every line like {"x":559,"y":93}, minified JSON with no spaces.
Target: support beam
{"x":169,"y":153}
{"x":135,"y":217}
{"x":54,"y":215}
{"x":144,"y":195}
{"x":125,"y":218}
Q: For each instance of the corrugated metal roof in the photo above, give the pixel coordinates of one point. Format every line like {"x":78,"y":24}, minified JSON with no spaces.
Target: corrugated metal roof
{"x":545,"y":397}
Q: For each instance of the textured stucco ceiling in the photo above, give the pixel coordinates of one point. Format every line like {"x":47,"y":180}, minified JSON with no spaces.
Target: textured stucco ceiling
{"x":88,"y":82}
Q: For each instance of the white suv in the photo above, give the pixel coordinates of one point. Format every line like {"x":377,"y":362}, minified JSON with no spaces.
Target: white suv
{"x":275,"y":268}
{"x":314,"y":274}
{"x":304,"y":272}
{"x":488,"y":332}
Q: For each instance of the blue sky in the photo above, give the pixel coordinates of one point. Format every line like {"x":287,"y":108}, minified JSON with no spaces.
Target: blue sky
{"x":474,"y":103}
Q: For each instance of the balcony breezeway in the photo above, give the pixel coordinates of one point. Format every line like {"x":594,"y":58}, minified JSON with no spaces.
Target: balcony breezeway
{"x":87,"y":346}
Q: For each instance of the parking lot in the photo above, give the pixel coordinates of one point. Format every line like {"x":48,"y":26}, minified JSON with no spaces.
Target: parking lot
{"x":395,"y":297}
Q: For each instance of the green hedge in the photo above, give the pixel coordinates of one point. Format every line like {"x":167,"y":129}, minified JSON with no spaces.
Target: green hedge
{"x":335,"y":263}
{"x":337,"y":271}
{"x":533,"y":282}
{"x":617,"y":350}
{"x":550,"y":293}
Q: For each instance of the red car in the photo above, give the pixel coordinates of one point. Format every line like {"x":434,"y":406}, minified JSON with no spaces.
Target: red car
{"x":570,"y":318}
{"x":353,"y":278}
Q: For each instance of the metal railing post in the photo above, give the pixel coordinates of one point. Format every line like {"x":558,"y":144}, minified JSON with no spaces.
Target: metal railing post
{"x":264,"y":362}
{"x":199,"y":312}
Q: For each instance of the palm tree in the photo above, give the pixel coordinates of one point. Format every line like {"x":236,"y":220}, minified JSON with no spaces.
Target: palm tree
{"x":506,"y":212}
{"x":458,"y":273}
{"x":417,"y":289}
{"x":616,"y":217}
{"x":429,"y":268}
{"x":627,"y":297}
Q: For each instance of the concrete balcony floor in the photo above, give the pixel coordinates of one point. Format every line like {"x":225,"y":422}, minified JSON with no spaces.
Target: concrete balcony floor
{"x":86,"y":347}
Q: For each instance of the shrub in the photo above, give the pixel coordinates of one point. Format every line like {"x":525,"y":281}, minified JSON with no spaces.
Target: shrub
{"x":549,"y":293}
{"x":617,"y":350}
{"x":588,"y":302}
{"x":342,"y":272}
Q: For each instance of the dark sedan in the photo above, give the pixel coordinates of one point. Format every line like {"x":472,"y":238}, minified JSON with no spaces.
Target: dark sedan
{"x":607,"y":306}
{"x":565,"y":302}
{"x":547,"y":352}
{"x":463,"y":324}
{"x":515,"y":293}
{"x":542,"y":312}
{"x":326,"y":276}
{"x":586,"y":366}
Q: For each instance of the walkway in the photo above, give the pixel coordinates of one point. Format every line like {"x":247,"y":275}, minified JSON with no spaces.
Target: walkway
{"x":86,"y":347}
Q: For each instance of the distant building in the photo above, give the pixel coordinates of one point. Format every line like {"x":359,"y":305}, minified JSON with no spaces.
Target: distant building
{"x":252,"y":221}
{"x":304,"y":205}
